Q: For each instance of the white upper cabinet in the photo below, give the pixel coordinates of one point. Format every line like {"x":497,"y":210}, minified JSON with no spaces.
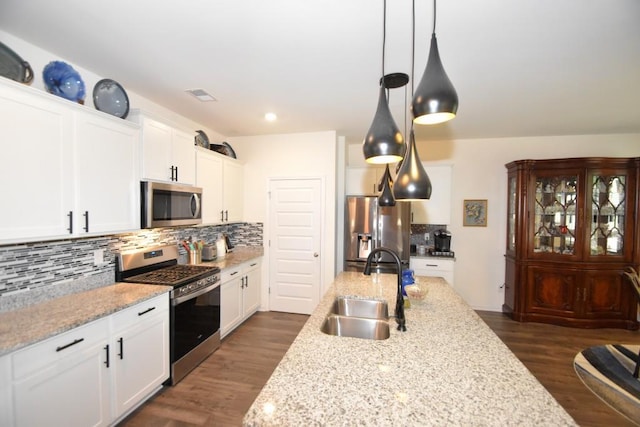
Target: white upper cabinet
{"x":107,"y":178}
{"x":437,"y":209}
{"x":222,"y":182}
{"x":233,"y":192}
{"x":209,"y":178}
{"x":64,"y":166}
{"x":168,"y":153}
{"x":364,"y":180}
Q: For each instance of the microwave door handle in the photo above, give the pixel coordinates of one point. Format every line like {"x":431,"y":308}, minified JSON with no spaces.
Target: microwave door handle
{"x":195,"y":200}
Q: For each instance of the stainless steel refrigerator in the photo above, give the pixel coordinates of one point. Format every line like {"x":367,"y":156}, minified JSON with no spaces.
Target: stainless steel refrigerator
{"x":369,"y":226}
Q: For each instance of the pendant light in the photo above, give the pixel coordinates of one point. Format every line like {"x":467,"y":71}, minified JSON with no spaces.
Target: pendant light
{"x":435,"y":100}
{"x":383,"y":143}
{"x":412,"y":181}
{"x":386,"y":197}
{"x":391,"y":81}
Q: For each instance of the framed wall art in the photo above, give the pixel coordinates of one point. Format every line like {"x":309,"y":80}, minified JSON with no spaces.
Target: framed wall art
{"x":475,"y":213}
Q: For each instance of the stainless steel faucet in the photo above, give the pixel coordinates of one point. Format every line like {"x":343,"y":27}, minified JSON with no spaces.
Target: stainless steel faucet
{"x":399,"y":313}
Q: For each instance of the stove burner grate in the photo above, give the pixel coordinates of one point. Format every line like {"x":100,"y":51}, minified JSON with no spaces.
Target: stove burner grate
{"x":172,"y":275}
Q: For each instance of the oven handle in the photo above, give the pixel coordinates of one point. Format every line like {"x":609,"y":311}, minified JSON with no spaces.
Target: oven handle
{"x":179,"y":300}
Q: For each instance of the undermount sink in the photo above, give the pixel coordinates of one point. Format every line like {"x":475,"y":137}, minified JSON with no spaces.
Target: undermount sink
{"x":360,"y":307}
{"x":355,"y":327}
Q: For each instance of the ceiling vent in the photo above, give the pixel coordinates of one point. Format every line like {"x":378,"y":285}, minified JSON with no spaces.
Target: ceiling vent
{"x":202,"y":95}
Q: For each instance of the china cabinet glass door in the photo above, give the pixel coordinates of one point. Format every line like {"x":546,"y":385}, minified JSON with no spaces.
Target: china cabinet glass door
{"x":608,"y":205}
{"x":511,"y":215}
{"x":555,"y":214}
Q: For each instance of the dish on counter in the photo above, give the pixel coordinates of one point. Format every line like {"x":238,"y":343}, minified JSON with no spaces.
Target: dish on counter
{"x":202,"y":140}
{"x":62,"y":80}
{"x":111,"y":98}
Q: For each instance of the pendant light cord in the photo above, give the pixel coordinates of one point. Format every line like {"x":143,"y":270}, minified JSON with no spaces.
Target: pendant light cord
{"x":384,"y":37}
{"x":434,"y":16}
{"x":413,"y":48}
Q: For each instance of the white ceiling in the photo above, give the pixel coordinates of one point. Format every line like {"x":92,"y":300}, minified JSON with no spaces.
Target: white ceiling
{"x":521,"y":68}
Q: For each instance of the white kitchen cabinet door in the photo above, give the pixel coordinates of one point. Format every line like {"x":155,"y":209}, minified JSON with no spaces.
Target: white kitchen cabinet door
{"x":184,"y":156}
{"x":6,"y":399}
{"x":231,"y":312}
{"x":233,"y":180}
{"x":64,"y":381}
{"x":156,"y":150}
{"x":140,"y":356}
{"x":209,"y":178}
{"x":437,"y":209}
{"x":107,"y":181}
{"x":36,"y":164}
{"x":363,"y":181}
{"x":168,"y":154}
{"x":251,"y":291}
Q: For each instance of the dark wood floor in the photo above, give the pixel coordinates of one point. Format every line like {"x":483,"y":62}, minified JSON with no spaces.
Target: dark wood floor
{"x":222,"y":388}
{"x":548,"y":352}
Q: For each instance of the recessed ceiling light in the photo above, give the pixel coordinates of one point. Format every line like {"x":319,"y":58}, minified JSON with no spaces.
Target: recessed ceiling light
{"x":201,"y":94}
{"x":270,"y":117}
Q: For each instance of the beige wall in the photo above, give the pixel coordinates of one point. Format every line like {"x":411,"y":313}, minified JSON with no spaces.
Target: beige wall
{"x":302,"y":155}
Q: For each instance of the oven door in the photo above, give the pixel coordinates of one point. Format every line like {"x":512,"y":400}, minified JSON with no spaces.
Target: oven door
{"x":195,"y":329}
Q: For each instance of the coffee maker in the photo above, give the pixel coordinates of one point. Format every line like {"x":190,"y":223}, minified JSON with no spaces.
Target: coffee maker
{"x":442,"y":241}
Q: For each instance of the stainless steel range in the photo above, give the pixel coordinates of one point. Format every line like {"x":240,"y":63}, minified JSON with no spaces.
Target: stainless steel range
{"x":195,"y":302}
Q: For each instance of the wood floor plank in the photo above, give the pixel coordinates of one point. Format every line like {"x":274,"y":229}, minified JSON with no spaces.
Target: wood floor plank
{"x":220,"y":391}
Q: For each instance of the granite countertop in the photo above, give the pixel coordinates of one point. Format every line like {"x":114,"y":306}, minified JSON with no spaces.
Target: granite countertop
{"x":448,"y":368}
{"x":22,"y":327}
{"x":239,"y":255}
{"x":25,"y":326}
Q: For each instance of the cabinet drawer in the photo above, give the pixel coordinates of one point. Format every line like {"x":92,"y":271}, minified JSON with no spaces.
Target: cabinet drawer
{"x":141,"y":311}
{"x":37,"y":356}
{"x":430,"y":264}
{"x":230,"y":273}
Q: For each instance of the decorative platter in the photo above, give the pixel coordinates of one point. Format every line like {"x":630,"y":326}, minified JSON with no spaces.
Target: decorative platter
{"x":202,"y":140}
{"x":111,"y":98}
{"x":225,"y":149}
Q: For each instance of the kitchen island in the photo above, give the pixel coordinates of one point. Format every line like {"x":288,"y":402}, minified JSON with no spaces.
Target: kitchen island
{"x":448,"y":368}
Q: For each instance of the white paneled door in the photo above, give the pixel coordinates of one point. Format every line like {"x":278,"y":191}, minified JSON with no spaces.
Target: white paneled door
{"x":295,"y":242}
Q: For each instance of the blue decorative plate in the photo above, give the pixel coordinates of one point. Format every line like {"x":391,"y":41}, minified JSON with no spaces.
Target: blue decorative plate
{"x":110,"y":97}
{"x":62,"y":80}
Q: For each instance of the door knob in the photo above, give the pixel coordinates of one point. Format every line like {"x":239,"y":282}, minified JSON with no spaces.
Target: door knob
{"x":315,"y":254}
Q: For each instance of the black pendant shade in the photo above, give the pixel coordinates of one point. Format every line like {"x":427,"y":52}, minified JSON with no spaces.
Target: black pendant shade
{"x":384,"y":142}
{"x":386,"y":197}
{"x":412,"y":182}
{"x":435,"y":100}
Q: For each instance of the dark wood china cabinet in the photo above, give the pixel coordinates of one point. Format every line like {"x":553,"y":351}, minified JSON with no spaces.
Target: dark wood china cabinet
{"x":572,"y":230}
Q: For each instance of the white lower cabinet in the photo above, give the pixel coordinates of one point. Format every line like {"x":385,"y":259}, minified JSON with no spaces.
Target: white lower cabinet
{"x":64,"y":380}
{"x":433,"y":267}
{"x":141,"y":352}
{"x":239,"y":294}
{"x":92,"y":375}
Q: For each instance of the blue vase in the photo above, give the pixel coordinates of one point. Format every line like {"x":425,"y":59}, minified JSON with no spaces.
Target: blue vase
{"x":62,"y":80}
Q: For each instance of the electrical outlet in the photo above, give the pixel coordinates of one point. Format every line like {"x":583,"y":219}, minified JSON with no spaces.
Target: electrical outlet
{"x":98,"y":257}
{"x":427,"y":237}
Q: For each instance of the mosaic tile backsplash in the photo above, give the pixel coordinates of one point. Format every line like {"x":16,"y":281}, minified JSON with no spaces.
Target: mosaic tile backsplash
{"x":419,"y":234}
{"x":42,"y":270}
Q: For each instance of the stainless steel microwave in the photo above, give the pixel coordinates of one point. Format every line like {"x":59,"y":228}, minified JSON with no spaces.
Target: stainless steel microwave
{"x":167,"y":205}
